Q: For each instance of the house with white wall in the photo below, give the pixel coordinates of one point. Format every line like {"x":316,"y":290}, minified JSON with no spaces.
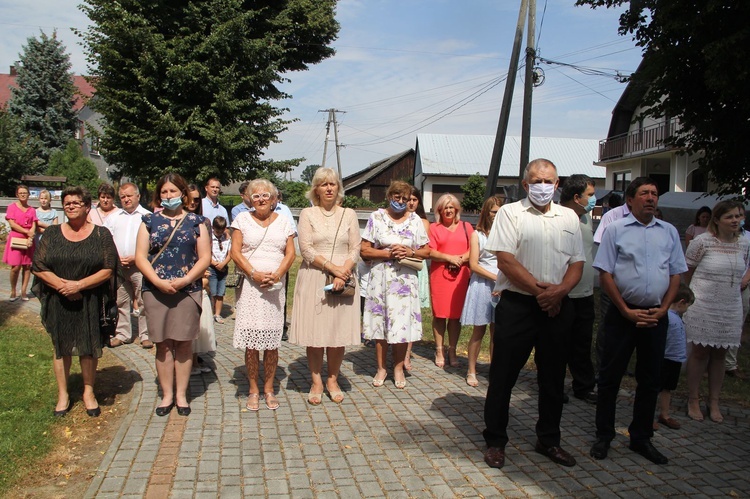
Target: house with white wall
{"x":444,"y":162}
{"x":635,"y":147}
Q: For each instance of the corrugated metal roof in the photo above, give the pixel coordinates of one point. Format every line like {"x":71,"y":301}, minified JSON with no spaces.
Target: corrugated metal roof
{"x":442,"y":154}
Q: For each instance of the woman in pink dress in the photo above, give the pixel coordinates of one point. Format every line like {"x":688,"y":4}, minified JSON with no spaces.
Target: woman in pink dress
{"x":22,"y":220}
{"x":449,"y":274}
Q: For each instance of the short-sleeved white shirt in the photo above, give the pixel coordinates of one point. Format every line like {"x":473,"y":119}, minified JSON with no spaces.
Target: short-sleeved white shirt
{"x":545,"y":244}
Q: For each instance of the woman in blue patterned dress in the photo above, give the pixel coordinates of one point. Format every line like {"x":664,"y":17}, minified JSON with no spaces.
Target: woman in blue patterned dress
{"x":478,"y":307}
{"x":392,"y":312}
{"x":172,"y":271}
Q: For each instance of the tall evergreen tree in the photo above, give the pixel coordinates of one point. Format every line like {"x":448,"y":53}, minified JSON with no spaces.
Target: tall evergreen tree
{"x":43,"y":100}
{"x":190,"y":86}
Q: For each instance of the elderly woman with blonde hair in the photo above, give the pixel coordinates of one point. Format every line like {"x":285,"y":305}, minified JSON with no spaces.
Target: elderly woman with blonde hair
{"x":263,"y":249}
{"x":449,"y":274}
{"x":326,"y":322}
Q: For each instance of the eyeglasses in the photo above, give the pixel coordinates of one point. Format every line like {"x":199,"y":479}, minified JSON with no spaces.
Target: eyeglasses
{"x":72,"y":204}
{"x":400,"y":199}
{"x":262,"y":195}
{"x":196,"y":200}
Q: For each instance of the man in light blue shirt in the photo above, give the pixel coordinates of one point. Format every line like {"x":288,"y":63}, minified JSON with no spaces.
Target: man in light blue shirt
{"x":211,"y":206}
{"x":639,"y":261}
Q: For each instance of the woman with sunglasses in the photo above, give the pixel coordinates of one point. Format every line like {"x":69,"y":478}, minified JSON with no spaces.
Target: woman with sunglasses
{"x":205,"y":343}
{"x":392,"y":312}
{"x":262,"y":249}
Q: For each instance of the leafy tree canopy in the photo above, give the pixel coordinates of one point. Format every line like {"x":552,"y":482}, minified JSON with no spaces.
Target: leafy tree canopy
{"x":294,"y":193}
{"x":71,"y":163}
{"x":43,"y":100}
{"x":473,"y":191}
{"x":17,"y":153}
{"x":308,"y":173}
{"x":695,"y":68}
{"x":190,"y":86}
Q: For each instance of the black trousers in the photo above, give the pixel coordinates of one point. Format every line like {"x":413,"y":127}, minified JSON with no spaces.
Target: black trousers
{"x":579,"y":351}
{"x":621,"y":337}
{"x":520,"y":326}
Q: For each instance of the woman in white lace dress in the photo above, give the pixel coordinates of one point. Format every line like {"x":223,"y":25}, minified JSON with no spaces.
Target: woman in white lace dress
{"x":717,"y":272}
{"x":263,"y":249}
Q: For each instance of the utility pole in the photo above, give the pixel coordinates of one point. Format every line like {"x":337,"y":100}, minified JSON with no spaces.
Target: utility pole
{"x":510,"y":81}
{"x":332,"y":118}
{"x":528,"y":90}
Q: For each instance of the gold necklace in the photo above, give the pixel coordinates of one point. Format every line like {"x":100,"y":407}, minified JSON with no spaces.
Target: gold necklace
{"x":326,"y":213}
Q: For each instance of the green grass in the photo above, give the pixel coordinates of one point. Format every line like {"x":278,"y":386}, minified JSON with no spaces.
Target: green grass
{"x":27,"y":392}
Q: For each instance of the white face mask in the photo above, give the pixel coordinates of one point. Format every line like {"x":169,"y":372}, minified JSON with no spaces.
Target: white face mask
{"x":541,"y":194}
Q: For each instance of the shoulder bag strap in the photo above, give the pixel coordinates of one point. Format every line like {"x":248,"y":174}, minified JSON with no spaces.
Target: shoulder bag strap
{"x":171,"y":235}
{"x":333,"y":246}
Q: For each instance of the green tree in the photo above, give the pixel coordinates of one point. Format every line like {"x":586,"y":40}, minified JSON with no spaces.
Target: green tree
{"x":294,"y":193}
{"x":473,"y":190}
{"x":308,"y":173}
{"x":190,"y":86}
{"x":17,"y":153}
{"x":43,"y":100}
{"x":695,"y":69}
{"x":71,"y":163}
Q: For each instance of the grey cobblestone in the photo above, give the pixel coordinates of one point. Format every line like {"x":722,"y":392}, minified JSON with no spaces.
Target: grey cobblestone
{"x":424,"y":441}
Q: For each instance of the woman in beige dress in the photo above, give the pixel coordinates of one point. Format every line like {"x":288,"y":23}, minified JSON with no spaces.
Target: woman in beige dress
{"x":329,"y":242}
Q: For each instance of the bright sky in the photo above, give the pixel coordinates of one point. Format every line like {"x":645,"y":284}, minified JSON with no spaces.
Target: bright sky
{"x":404,"y":67}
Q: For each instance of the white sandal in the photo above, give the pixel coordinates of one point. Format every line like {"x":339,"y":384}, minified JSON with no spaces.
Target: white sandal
{"x":471,"y":379}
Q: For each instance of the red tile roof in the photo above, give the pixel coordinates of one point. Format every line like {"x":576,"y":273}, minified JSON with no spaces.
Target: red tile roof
{"x":85,"y":89}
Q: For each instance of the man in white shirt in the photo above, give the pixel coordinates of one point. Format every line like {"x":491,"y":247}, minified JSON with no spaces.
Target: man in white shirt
{"x":124,"y":226}
{"x":211,"y":206}
{"x":540,"y":258}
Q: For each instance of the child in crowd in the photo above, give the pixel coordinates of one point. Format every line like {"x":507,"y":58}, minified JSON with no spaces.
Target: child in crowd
{"x":675,"y":353}
{"x":218,"y":270}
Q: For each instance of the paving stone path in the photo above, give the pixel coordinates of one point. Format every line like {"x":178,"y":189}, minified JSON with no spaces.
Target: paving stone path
{"x":424,"y":441}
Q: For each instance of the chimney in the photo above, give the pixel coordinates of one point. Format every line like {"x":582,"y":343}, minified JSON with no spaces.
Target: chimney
{"x":13,"y":71}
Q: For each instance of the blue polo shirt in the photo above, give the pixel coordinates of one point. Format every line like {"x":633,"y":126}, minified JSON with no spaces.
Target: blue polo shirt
{"x":641,"y":258}
{"x":211,"y":211}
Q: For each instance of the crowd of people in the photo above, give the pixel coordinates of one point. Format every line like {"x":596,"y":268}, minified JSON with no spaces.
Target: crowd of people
{"x":526,"y":270}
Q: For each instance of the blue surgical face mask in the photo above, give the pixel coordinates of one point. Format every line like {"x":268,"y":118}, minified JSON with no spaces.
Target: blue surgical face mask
{"x":398,"y":207}
{"x":590,"y":205}
{"x":171,"y":203}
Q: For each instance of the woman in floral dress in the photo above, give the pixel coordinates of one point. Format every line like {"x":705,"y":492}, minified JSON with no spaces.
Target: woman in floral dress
{"x":392,"y":312}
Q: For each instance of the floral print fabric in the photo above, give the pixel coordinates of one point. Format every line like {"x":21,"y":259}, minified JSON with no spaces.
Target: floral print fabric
{"x":392,"y":309}
{"x":181,"y":254}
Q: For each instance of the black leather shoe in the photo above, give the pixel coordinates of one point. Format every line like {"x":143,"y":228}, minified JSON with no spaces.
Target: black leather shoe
{"x":647,"y":450}
{"x":566,"y":399}
{"x":163,"y":411}
{"x":494,"y":457}
{"x":599,"y":449}
{"x":94,"y":413}
{"x":589,"y":396}
{"x":59,"y":414}
{"x":183,"y":411}
{"x":556,"y":454}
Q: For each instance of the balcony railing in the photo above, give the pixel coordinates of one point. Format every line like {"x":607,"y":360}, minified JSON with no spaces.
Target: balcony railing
{"x":644,"y":140}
